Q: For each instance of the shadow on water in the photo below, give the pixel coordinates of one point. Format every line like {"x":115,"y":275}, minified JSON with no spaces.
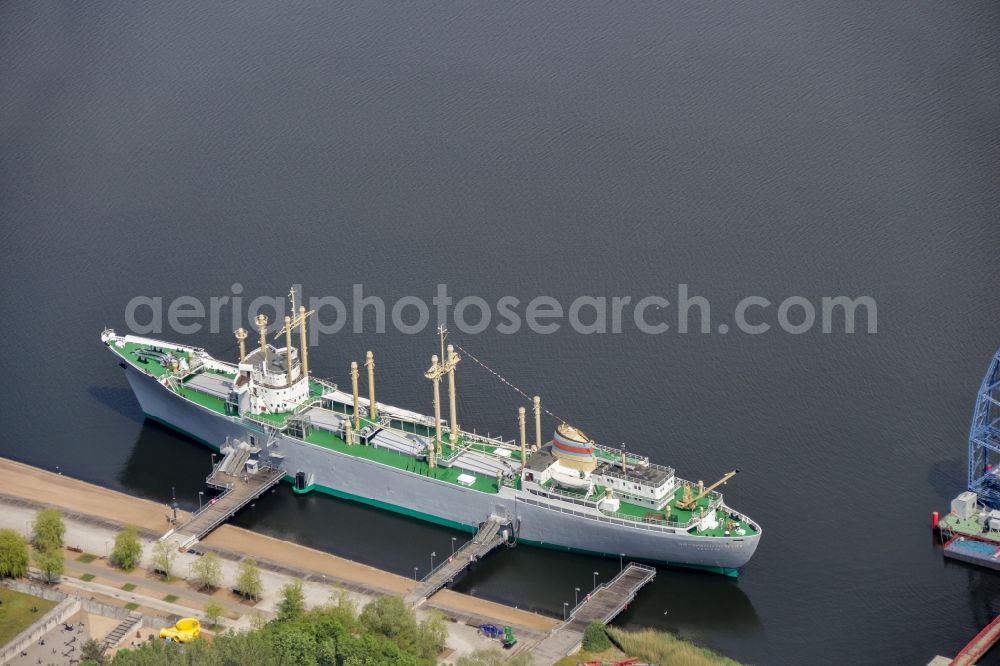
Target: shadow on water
{"x":162,"y":460}
{"x":534,"y":579}
{"x":119,"y":399}
{"x":544,"y":580}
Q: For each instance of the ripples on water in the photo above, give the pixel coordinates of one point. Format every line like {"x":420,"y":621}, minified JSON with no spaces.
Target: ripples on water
{"x":559,"y":148}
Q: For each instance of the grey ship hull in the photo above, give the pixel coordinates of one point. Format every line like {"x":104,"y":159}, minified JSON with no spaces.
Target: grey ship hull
{"x":540,"y":522}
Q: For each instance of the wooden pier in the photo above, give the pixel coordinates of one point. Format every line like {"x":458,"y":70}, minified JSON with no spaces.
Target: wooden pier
{"x":238,"y":490}
{"x":487,"y":538}
{"x":601,"y":605}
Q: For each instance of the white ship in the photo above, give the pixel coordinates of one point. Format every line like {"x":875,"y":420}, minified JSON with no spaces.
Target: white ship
{"x":567,"y":493}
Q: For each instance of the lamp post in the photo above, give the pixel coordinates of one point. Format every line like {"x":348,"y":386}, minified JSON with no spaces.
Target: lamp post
{"x":565,"y":606}
{"x":415,"y":574}
{"x":453,"y":546}
{"x":595,"y":580}
{"x":621,"y":562}
{"x":213,"y":462}
{"x":576,"y":597}
{"x":201,"y":493}
{"x":432,"y":559}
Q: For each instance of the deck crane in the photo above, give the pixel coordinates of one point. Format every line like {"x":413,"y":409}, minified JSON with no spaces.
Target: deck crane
{"x":688,"y":502}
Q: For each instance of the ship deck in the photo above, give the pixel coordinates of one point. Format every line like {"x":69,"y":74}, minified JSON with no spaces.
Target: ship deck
{"x":461,"y":459}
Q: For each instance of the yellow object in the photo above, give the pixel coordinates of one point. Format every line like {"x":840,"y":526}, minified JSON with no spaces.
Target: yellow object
{"x":186,"y":630}
{"x":434,"y":374}
{"x":689,"y":503}
{"x":354,"y":393}
{"x":524,"y":445}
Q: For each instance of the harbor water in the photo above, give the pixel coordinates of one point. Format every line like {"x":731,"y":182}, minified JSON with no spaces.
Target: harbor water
{"x":555,"y":148}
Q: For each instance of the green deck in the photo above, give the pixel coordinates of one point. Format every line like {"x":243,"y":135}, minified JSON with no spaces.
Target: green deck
{"x":971,"y":526}
{"x":131,"y":352}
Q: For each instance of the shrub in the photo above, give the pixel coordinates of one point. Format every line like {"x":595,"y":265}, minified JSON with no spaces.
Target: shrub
{"x":293,"y":602}
{"x":50,"y":561}
{"x":13,"y":554}
{"x":391,"y":617}
{"x":92,"y":651}
{"x":595,"y":638}
{"x":163,"y":557}
{"x":48,"y":530}
{"x":248,"y":583}
{"x":212,"y":613}
{"x":207,"y":571}
{"x":127,"y":551}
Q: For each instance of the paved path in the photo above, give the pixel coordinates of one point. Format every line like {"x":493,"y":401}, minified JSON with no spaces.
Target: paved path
{"x":143,"y":582}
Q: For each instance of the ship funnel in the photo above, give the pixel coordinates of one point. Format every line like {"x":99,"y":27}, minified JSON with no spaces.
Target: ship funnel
{"x":573,"y":448}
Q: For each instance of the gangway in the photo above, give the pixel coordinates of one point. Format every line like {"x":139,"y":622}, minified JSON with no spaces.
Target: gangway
{"x":601,"y":605}
{"x":238,"y":490}
{"x":486,"y":539}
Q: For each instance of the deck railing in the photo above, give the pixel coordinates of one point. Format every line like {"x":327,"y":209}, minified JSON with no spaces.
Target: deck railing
{"x":653,"y":527}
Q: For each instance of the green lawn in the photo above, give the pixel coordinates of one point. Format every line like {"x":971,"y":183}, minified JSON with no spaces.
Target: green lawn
{"x":128,"y":587}
{"x":131,"y":606}
{"x":170,"y":598}
{"x":87,"y":577}
{"x":86,"y":558}
{"x":15,"y":612}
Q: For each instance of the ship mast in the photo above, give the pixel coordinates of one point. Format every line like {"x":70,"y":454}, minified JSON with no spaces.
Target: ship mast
{"x":440,"y":366}
{"x":297,"y":320}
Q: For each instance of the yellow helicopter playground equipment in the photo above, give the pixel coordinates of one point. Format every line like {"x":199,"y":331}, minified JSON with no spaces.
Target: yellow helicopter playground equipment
{"x":186,"y":630}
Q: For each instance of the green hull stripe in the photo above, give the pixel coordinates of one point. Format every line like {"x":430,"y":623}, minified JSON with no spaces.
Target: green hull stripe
{"x":449,"y":523}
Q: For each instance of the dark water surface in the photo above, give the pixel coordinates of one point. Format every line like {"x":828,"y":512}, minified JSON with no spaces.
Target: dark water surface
{"x":526,"y":148}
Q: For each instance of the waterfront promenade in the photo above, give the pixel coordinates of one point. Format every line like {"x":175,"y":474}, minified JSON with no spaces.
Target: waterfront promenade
{"x":94,"y":513}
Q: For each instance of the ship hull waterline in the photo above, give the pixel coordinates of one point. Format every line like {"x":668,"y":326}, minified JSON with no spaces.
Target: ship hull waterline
{"x":404,"y":492}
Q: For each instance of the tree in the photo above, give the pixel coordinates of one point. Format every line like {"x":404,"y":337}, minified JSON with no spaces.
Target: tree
{"x":163,"y":557}
{"x":391,"y":617}
{"x":212,"y":613}
{"x":92,"y":651}
{"x":13,"y":554}
{"x":128,"y":551}
{"x":207,"y":571}
{"x":48,"y":530}
{"x":293,"y":601}
{"x":595,"y":638}
{"x":294,"y":643}
{"x":248,"y":582}
{"x":50,"y":561}
{"x":431,"y":635}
